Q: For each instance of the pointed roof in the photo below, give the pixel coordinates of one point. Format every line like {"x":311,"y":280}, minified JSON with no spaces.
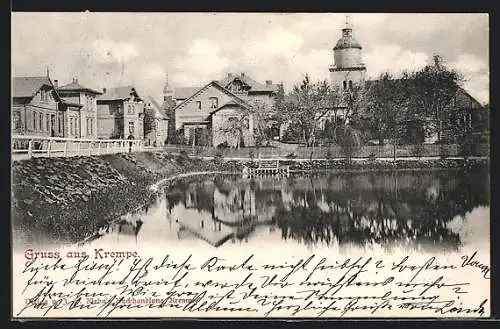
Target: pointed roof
{"x":347,"y":40}
{"x":156,"y":107}
{"x":28,"y":86}
{"x":75,"y":86}
{"x":254,"y":85}
{"x":118,"y":93}
{"x":216,"y":84}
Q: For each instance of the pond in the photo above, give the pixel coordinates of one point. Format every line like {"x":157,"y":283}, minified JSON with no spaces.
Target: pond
{"x":422,"y":211}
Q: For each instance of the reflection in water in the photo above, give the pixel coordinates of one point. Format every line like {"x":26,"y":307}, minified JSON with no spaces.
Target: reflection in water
{"x":426,"y":211}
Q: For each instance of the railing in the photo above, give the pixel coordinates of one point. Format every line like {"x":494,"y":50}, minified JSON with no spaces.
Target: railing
{"x":27,"y":147}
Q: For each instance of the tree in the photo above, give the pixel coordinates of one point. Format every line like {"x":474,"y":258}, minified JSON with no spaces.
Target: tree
{"x":234,"y":127}
{"x":381,"y":107}
{"x":349,"y":141}
{"x":433,"y":87}
{"x":300,"y":109}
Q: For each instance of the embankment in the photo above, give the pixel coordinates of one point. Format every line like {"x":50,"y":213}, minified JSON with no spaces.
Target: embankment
{"x":67,"y":199}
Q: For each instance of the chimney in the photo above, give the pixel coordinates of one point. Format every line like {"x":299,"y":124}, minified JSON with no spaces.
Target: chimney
{"x":269,"y":82}
{"x":56,"y":83}
{"x":103,"y":90}
{"x":242,"y":75}
{"x":229,"y":75}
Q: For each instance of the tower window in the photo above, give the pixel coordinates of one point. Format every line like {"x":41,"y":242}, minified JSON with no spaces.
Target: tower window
{"x":344,"y":84}
{"x":198,"y":105}
{"x":350,"y":84}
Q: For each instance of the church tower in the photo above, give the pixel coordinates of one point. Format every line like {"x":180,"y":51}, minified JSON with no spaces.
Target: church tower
{"x":348,"y":69}
{"x":168,"y":93}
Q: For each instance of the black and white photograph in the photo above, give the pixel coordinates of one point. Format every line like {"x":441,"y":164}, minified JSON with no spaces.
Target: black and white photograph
{"x":250,"y":165}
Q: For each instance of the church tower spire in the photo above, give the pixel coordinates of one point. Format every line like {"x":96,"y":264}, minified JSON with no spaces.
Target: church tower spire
{"x":168,"y":93}
{"x":348,"y":69}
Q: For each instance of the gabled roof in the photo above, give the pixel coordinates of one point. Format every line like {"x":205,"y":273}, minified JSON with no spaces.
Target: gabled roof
{"x":156,"y":107}
{"x":184,"y":92}
{"x":118,"y":93}
{"x":254,"y":85}
{"x":230,"y":103}
{"x":75,"y":86}
{"x":28,"y":86}
{"x":217,"y":85}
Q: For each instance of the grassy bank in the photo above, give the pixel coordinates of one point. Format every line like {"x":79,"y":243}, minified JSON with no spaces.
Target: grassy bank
{"x":69,"y":198}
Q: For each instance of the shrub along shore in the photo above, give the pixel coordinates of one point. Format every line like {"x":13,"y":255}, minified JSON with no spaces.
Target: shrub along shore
{"x":68,"y":199}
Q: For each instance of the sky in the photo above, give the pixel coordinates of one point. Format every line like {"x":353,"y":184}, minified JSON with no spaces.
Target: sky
{"x":113,"y":49}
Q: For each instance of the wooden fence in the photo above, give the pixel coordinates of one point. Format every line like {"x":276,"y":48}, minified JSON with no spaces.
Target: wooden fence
{"x":26,"y":147}
{"x":332,"y":152}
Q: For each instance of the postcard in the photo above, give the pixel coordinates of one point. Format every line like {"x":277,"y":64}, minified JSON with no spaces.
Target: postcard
{"x":250,"y":165}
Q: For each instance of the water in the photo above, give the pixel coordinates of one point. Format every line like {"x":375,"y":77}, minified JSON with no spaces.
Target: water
{"x":421,"y":211}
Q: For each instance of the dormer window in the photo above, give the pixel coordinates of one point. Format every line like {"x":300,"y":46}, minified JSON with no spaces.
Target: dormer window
{"x":214,"y":102}
{"x":350,"y":84}
{"x":198,"y":105}
{"x":344,"y":84}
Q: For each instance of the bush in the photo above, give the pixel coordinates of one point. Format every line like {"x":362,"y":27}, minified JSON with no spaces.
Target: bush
{"x":443,"y":151}
{"x":224,"y":145}
{"x":198,"y":150}
{"x":417,"y":150}
{"x":219,"y":157}
{"x":328,"y":154}
{"x":467,"y":147}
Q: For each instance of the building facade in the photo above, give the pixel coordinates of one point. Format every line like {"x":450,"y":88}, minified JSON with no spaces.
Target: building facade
{"x":120,"y":114}
{"x":37,"y":109}
{"x":222,"y":110}
{"x":86,"y":123}
{"x":155,"y":123}
{"x":214,"y":115}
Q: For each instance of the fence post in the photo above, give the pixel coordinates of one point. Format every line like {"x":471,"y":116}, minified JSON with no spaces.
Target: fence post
{"x":90,"y":148}
{"x":107,"y":147}
{"x":48,"y":148}
{"x":78,"y":147}
{"x":65,"y":148}
{"x":30,"y":149}
{"x":98,"y":148}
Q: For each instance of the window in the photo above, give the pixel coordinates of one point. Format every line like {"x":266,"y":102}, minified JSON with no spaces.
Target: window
{"x":40,"y":121}
{"x":47,"y":122}
{"x":71,"y":126}
{"x":344,"y":85}
{"x":214,"y":102}
{"x":16,"y":120}
{"x":198,"y":105}
{"x":130,"y":109}
{"x":350,"y":84}
{"x":131,"y":127}
{"x":156,"y":125}
{"x":60,"y":124}
{"x":88,"y":126}
{"x":91,"y":126}
{"x":34,"y":121}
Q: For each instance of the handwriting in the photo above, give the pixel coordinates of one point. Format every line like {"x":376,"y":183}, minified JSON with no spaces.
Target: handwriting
{"x":105,"y":283}
{"x":471,"y":261}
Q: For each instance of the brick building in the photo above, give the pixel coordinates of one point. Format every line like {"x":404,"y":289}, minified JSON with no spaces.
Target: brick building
{"x":120,"y":114}
{"x":85,"y":125}
{"x":155,"y":123}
